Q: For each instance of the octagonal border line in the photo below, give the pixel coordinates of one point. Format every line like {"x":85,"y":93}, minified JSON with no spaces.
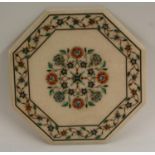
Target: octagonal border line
{"x":108,"y":41}
{"x":140,"y":63}
{"x":120,"y":53}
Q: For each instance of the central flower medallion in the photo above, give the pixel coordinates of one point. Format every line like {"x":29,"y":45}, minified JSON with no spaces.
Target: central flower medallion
{"x":77,"y":77}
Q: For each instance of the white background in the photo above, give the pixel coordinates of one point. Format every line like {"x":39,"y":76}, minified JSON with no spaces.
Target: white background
{"x":16,"y":134}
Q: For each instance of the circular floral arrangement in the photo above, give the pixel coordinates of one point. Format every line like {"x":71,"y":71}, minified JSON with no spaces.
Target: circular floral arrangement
{"x":77,"y":77}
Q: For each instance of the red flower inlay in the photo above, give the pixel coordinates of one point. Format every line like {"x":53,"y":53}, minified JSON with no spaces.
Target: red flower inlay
{"x":102,"y":77}
{"x":77,"y":52}
{"x":52,"y":78}
{"x":78,"y":103}
{"x":63,"y":133}
{"x":28,"y":107}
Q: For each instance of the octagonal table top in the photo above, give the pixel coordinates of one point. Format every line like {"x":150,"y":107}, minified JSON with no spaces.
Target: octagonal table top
{"x":77,"y":75}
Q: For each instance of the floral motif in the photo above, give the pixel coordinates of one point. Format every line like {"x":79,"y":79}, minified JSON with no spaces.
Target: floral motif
{"x":52,"y":78}
{"x":115,"y":36}
{"x":77,"y":52}
{"x":83,"y":76}
{"x":96,"y":59}
{"x":59,"y":96}
{"x":59,"y":60}
{"x":78,"y":103}
{"x":102,"y":77}
{"x":96,"y":96}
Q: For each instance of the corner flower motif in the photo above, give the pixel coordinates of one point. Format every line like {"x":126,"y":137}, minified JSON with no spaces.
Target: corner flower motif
{"x":59,"y":96}
{"x":96,"y":96}
{"x":59,"y":60}
{"x":96,"y":59}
